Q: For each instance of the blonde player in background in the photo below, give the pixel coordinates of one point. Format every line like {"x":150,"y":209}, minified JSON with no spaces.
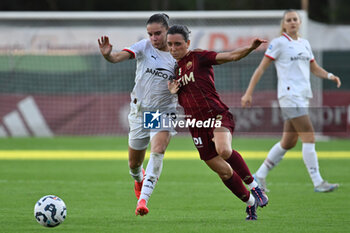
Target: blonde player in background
{"x":155,"y":66}
{"x":293,"y":60}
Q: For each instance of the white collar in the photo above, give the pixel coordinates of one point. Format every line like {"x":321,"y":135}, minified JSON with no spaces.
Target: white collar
{"x":288,"y":37}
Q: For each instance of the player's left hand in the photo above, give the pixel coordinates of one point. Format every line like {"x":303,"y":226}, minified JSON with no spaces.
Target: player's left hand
{"x":246,"y":101}
{"x":257,"y":42}
{"x":173,"y":86}
{"x":336,"y":79}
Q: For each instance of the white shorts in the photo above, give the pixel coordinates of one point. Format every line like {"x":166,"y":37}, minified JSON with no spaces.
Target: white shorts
{"x":137,"y":130}
{"x":293,"y":106}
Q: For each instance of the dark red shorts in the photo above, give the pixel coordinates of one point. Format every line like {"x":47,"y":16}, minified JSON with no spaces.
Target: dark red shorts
{"x":202,"y":137}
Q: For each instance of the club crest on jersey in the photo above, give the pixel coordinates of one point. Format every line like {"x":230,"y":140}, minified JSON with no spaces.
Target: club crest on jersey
{"x":188,"y":65}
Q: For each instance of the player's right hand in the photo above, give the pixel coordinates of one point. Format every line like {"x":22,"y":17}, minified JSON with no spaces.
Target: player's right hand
{"x":105,"y":46}
{"x":173,"y":86}
{"x":246,"y":100}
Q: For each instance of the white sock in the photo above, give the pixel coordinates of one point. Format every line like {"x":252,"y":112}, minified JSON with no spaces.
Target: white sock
{"x":251,"y":200}
{"x":252,"y":185}
{"x":153,"y":170}
{"x":136,"y":173}
{"x":273,"y":158}
{"x":311,"y":163}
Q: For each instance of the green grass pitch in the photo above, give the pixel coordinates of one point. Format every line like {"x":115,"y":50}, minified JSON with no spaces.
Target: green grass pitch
{"x":188,"y":197}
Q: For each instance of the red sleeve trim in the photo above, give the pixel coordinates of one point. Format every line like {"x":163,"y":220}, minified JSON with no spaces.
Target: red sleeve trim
{"x":287,"y":37}
{"x":272,"y":58}
{"x":312,"y":60}
{"x":133,"y":55}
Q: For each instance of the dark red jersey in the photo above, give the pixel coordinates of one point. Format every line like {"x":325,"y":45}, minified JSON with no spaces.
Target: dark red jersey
{"x":197,"y":94}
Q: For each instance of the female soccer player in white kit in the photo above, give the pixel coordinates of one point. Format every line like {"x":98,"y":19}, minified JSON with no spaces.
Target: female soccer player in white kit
{"x":155,"y":66}
{"x":293,"y":60}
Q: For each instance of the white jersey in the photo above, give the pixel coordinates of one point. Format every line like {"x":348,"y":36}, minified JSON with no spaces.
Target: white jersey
{"x":153,"y":70}
{"x":292,"y":60}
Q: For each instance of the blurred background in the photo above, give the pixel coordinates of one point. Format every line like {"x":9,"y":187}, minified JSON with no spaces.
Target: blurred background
{"x":326,"y":11}
{"x":54,"y":82}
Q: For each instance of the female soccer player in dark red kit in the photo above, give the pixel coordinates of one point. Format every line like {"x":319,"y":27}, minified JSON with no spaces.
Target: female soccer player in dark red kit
{"x":194,"y":85}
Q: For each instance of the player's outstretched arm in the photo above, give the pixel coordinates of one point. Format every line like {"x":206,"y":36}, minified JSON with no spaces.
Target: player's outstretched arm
{"x":106,"y":51}
{"x":247,"y":99}
{"x":322,"y":73}
{"x":238,"y":53}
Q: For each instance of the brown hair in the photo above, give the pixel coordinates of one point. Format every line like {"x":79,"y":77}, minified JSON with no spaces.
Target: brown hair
{"x":160,"y":18}
{"x":180,"y":29}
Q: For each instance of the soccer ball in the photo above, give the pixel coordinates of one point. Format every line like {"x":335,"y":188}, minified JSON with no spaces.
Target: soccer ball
{"x":50,"y":211}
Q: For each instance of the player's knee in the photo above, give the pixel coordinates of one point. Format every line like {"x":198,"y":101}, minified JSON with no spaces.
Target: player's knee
{"x":159,"y":149}
{"x":224,"y":152}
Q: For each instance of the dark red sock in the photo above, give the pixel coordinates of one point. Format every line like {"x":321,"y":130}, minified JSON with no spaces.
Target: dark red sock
{"x":237,"y":187}
{"x":240,"y":167}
